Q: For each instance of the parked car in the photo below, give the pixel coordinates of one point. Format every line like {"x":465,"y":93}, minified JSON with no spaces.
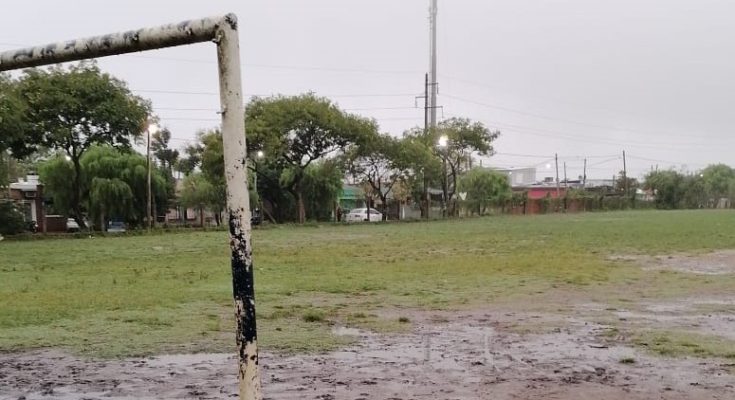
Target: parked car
{"x":361,"y":215}
{"x":72,"y":225}
{"x":116,"y":227}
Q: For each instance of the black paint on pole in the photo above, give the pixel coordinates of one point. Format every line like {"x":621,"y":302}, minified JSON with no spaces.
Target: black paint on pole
{"x":243,"y":286}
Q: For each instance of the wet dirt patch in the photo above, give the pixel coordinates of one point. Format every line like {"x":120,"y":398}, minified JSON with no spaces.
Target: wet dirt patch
{"x":720,"y":262}
{"x":470,"y":356}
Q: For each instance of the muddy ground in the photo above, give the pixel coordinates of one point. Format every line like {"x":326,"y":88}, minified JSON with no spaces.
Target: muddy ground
{"x":480,"y":354}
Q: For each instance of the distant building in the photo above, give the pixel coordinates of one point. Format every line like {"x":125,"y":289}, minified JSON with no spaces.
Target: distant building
{"x":518,"y":176}
{"x":28,"y":195}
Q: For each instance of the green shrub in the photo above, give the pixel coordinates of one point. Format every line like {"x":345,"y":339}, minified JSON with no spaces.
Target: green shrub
{"x":11,"y":219}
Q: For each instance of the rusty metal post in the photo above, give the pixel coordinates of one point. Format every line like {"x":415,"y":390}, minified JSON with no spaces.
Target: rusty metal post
{"x":223,"y":31}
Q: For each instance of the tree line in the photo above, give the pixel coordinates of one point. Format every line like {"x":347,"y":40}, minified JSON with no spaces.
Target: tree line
{"x":80,"y":125}
{"x":77,"y":127}
{"x":712,"y":187}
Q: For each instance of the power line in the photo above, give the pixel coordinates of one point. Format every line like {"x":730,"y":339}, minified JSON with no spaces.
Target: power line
{"x":185,"y":109}
{"x":546,"y":117}
{"x":665,"y":162}
{"x":344,"y":109}
{"x":557,"y":135}
{"x":345,"y":95}
{"x":380,"y":108}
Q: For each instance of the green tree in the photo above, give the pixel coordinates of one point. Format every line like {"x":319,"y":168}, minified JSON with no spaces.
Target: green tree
{"x":625,"y":183}
{"x":213,"y":168}
{"x":718,"y":179}
{"x":110,"y":168}
{"x":424,"y":167}
{"x":484,"y":188}
{"x":74,"y":109}
{"x":464,"y":138}
{"x":694,"y":192}
{"x":299,"y":130}
{"x":380,"y":162}
{"x":109,"y":197}
{"x":188,"y":163}
{"x":198,"y":193}
{"x":166,"y":156}
{"x":322,"y":184}
{"x":13,"y":119}
{"x":56,"y":173}
{"x":668,"y":188}
{"x":11,"y":219}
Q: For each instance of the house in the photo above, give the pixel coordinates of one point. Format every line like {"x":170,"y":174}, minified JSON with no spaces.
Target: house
{"x":28,"y":195}
{"x":518,"y":176}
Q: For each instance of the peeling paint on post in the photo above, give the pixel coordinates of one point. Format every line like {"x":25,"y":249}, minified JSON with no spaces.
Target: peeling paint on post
{"x":223,"y":31}
{"x":238,"y":206}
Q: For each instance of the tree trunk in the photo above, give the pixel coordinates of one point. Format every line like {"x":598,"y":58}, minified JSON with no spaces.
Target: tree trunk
{"x":302,"y":209}
{"x":201,"y":216}
{"x":77,"y":193}
{"x":103,"y":226}
{"x":384,"y":200}
{"x":425,"y":201}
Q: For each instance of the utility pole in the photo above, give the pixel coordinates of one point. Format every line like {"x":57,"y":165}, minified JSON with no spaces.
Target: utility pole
{"x":432,"y":62}
{"x":556,"y":162}
{"x":426,"y":103}
{"x":427,"y":199}
{"x":625,"y":176}
{"x":584,"y":174}
{"x":566,"y":182}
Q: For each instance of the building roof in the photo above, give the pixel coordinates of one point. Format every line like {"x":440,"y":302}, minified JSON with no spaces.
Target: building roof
{"x":30,"y":184}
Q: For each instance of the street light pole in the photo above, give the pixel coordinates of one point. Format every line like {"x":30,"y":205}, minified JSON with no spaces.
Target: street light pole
{"x":152,"y":128}
{"x":444,"y":146}
{"x":258,"y":156}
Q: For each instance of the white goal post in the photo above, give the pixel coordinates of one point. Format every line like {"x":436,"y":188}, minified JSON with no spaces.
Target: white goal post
{"x":223,"y":32}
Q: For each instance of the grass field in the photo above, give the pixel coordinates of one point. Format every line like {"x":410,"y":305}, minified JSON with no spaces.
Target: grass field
{"x":137,"y":295}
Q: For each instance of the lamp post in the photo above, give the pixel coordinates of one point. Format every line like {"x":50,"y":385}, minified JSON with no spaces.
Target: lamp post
{"x":254,"y":157}
{"x":259,"y":155}
{"x":152,"y":129}
{"x":443,"y":144}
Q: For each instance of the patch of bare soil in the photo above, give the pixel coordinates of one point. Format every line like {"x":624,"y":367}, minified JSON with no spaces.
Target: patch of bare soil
{"x":686,"y":315}
{"x":716,"y":263}
{"x":471,"y":356}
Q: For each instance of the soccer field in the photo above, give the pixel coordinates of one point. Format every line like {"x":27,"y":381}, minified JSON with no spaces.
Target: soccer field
{"x":171,"y":293}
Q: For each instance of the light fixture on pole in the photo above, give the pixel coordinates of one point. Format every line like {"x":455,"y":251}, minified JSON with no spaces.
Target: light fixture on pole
{"x":152,"y":130}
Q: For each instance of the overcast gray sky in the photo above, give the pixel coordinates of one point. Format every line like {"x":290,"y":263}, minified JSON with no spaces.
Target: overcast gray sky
{"x":581,"y":78}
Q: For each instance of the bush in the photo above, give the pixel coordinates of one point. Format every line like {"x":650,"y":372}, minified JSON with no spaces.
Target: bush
{"x":11,"y":219}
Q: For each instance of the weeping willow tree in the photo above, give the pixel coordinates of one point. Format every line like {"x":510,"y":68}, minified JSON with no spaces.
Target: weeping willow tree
{"x":113,"y":185}
{"x":322,"y":184}
{"x":109,"y":197}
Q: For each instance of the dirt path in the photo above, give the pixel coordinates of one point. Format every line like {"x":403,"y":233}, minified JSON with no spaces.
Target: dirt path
{"x":473,"y":356}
